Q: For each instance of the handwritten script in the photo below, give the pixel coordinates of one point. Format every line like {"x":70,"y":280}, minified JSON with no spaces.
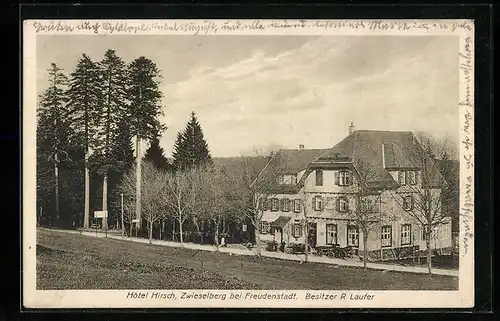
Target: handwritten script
{"x":466,"y":103}
{"x":214,"y":27}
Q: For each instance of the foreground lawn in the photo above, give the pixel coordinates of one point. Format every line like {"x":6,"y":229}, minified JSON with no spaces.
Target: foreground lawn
{"x":70,"y":261}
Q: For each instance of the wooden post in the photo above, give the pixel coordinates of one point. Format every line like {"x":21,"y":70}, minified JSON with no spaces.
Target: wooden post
{"x":123,"y":223}
{"x":138,"y":182}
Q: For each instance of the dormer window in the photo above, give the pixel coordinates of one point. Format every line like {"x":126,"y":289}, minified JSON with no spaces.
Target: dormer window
{"x":343,"y":178}
{"x":407,"y":177}
{"x":319,"y":177}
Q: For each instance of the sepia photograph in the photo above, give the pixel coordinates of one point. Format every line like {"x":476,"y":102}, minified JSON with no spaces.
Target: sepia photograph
{"x":223,"y":163}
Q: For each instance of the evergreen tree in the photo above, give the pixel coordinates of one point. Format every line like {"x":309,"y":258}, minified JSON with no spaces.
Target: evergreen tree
{"x":145,"y":98}
{"x":85,"y":99}
{"x":154,"y":154}
{"x":191,"y":149}
{"x":114,"y":82}
{"x":53,"y":131}
{"x":179,"y":153}
{"x":145,"y":109}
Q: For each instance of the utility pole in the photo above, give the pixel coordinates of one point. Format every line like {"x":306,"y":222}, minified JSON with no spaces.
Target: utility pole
{"x":138,"y":172}
{"x":123,"y":224}
{"x":138,"y":183}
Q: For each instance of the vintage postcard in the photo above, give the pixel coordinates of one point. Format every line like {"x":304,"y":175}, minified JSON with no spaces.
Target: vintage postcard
{"x":248,"y":163}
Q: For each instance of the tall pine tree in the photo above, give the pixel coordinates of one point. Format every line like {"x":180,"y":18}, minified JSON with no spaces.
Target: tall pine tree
{"x":144,"y":111}
{"x":85,"y":99}
{"x":114,"y":85}
{"x":53,"y":130}
{"x":154,"y":154}
{"x":190,"y":148}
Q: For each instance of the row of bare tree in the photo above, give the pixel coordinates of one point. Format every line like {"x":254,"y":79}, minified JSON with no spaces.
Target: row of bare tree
{"x":203,"y":195}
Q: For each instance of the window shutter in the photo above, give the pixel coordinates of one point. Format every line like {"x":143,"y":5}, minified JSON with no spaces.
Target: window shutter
{"x":337,"y":204}
{"x":347,"y":204}
{"x":400,"y":179}
{"x":282,"y":204}
{"x":265,"y":204}
{"x":337,"y":178}
{"x":321,"y":204}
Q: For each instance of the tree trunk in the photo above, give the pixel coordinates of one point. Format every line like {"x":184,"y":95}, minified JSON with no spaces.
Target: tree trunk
{"x":216,"y":235}
{"x":195,"y":221}
{"x":365,"y":249}
{"x":86,"y":215}
{"x":181,"y":238}
{"x":173,"y":230}
{"x":429,"y":254}
{"x":257,"y":237}
{"x":105,"y":200}
{"x":162,"y":228}
{"x":150,"y":231}
{"x":56,"y":181}
{"x":130,"y":228}
{"x":202,"y":231}
{"x":138,"y":183}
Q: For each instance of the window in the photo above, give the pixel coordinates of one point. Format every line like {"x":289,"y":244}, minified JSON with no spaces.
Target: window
{"x":285,"y":205}
{"x":368,"y":205}
{"x":297,"y":230}
{"x":296,"y":206}
{"x":407,"y":203}
{"x":264,"y":227}
{"x":407,"y":177}
{"x":402,"y":177}
{"x":405,"y":234}
{"x":425,"y":228}
{"x":263,"y":204}
{"x":386,"y":236}
{"x":318,"y":203}
{"x":352,"y":235}
{"x":294,"y":179}
{"x":331,"y":233}
{"x":342,"y":204}
{"x":411,"y":177}
{"x":274,"y":204}
{"x":343,"y":178}
{"x":281,"y":179}
{"x":319,"y":177}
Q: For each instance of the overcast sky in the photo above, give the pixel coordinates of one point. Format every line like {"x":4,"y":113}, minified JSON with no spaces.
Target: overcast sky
{"x":286,"y":90}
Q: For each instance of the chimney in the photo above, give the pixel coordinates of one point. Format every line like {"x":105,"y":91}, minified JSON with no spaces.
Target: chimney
{"x":352,"y":129}
{"x":301,"y":147}
{"x":383,"y":155}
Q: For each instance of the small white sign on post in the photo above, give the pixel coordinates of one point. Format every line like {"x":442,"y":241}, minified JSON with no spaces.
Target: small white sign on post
{"x":100,"y":214}
{"x":244,"y":227}
{"x":136,"y":220}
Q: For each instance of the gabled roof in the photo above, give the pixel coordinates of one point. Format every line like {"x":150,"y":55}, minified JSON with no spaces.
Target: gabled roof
{"x":294,"y":160}
{"x":289,"y":161}
{"x":379,"y":151}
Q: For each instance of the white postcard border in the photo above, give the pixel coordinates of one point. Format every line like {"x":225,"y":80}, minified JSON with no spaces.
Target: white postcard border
{"x":464,"y":29}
